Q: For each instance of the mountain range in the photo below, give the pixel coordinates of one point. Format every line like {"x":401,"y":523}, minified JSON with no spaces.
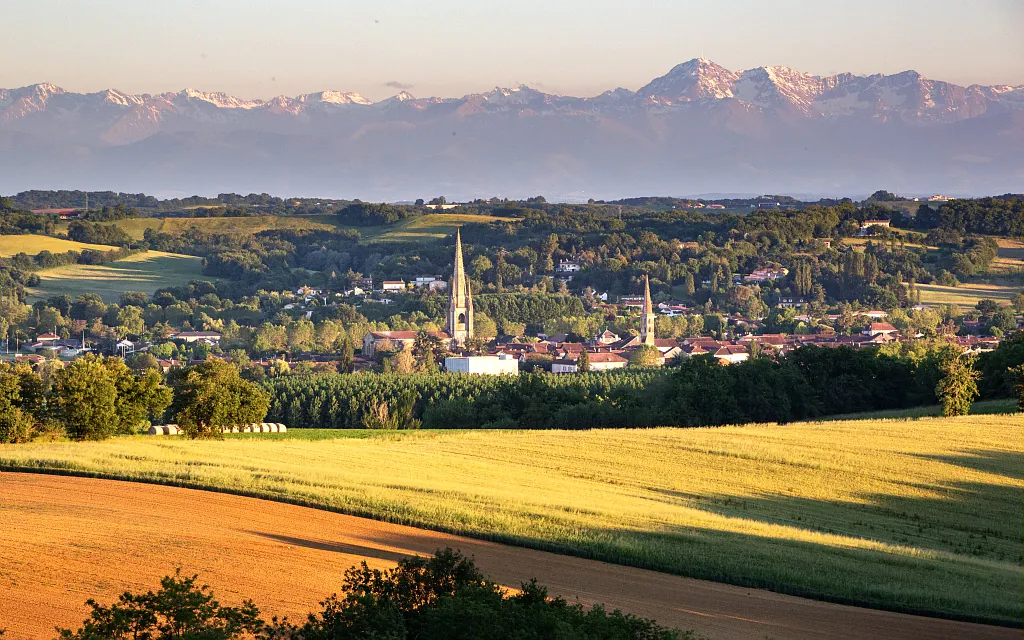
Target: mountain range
{"x":699,"y":128}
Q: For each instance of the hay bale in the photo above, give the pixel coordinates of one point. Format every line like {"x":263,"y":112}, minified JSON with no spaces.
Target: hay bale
{"x":173,"y":430}
{"x":247,"y":428}
{"x":156,"y":430}
{"x":281,"y":427}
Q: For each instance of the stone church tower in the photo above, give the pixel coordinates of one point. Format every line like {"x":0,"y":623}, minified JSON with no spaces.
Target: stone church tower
{"x":647,"y":316}
{"x":460,"y":300}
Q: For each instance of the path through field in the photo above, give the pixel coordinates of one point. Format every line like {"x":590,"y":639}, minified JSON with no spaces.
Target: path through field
{"x":67,"y":539}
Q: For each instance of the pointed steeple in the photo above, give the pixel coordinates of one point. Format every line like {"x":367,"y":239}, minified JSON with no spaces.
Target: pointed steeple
{"x":647,"y":315}
{"x":460,"y":299}
{"x":647,"y":295}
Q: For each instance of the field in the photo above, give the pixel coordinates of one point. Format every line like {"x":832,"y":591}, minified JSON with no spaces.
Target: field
{"x":431,"y":226}
{"x":33,"y":244}
{"x":144,"y":272}
{"x":136,"y":227}
{"x":912,"y":515}
{"x":68,"y":539}
{"x":966,"y":295}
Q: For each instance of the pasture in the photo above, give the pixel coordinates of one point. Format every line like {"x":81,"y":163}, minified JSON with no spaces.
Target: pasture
{"x":966,"y":295}
{"x":425,"y":228}
{"x":912,"y":515}
{"x":32,"y":244}
{"x":432,"y":226}
{"x":137,"y":227}
{"x":146,"y":272}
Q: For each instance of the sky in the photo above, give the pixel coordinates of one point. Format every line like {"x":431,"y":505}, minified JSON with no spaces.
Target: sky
{"x":264,"y":48}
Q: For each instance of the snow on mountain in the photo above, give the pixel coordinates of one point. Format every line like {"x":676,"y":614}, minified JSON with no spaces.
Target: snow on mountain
{"x":696,"y":79}
{"x":700,"y":124}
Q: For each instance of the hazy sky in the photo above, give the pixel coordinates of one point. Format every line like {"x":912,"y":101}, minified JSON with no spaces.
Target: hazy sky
{"x":263,"y":48}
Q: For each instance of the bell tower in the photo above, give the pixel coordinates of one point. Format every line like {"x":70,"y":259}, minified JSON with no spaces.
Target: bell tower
{"x":647,"y":316}
{"x":460,"y":299}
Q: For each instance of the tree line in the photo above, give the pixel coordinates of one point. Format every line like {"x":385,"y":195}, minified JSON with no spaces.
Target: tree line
{"x":94,"y":398}
{"x":809,"y":383}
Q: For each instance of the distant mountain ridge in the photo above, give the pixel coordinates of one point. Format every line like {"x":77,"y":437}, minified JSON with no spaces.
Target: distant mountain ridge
{"x":768,"y":128}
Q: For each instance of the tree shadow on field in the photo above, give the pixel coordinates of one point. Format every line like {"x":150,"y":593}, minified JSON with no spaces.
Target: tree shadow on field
{"x":1009,"y":464}
{"x":335,"y":547}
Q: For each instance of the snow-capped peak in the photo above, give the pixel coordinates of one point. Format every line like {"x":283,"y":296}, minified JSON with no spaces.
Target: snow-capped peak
{"x":334,"y":97}
{"x":219,"y":99}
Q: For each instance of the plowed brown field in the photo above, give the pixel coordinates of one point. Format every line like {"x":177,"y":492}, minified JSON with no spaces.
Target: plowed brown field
{"x":64,"y":539}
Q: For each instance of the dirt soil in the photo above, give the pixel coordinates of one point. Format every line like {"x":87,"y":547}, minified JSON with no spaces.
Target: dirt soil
{"x":64,"y":540}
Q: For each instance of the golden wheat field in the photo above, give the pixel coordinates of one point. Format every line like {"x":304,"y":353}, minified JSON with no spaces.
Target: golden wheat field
{"x":915,"y":515}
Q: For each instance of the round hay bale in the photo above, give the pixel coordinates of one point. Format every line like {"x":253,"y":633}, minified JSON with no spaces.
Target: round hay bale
{"x":281,"y":427}
{"x":173,"y":430}
{"x":156,"y":430}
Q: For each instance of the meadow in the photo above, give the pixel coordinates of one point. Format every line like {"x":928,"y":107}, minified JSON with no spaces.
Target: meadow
{"x":428,"y":227}
{"x":31,"y":244}
{"x":921,"y":515}
{"x":966,"y":295}
{"x":146,"y":272}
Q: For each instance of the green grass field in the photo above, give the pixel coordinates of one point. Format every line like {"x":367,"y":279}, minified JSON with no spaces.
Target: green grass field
{"x":144,"y":272}
{"x":33,"y":244}
{"x":136,"y":227}
{"x":918,"y":515}
{"x":966,"y":295}
{"x":431,"y":226}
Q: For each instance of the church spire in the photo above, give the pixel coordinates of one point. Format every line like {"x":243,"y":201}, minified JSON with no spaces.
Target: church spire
{"x":647,"y":315}
{"x":460,"y":299}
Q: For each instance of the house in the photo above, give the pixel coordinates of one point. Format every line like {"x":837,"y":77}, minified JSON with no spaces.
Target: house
{"x":399,"y":340}
{"x":425,"y":281}
{"x":731,"y":353}
{"x":393,"y":285}
{"x":715,"y":205}
{"x":938,"y":197}
{"x":600,"y":361}
{"x":124,"y":346}
{"x":502,"y":364}
{"x":606,"y":337}
{"x":442,"y":207}
{"x":631,"y":301}
{"x":880,"y":328}
{"x":438,"y":285}
{"x":766,"y":275}
{"x":791,"y":302}
{"x":867,"y":225}
{"x":167,"y":365}
{"x":364,"y":283}
{"x":209,"y":337}
{"x":568,"y":266}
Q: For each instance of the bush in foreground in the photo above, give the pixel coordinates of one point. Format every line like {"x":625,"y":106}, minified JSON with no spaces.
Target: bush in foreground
{"x":443,"y":597}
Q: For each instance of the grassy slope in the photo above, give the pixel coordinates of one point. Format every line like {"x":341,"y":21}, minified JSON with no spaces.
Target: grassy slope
{"x":145,"y":272}
{"x":431,"y":226}
{"x":33,"y":244}
{"x":922,"y":515}
{"x":966,"y":295}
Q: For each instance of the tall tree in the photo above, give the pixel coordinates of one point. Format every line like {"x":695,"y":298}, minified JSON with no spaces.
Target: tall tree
{"x":211,"y":396}
{"x":958,"y":387}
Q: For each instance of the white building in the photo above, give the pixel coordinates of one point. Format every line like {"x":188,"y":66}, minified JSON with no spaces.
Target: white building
{"x":483,"y":365}
{"x":393,"y":285}
{"x":568,"y":266}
